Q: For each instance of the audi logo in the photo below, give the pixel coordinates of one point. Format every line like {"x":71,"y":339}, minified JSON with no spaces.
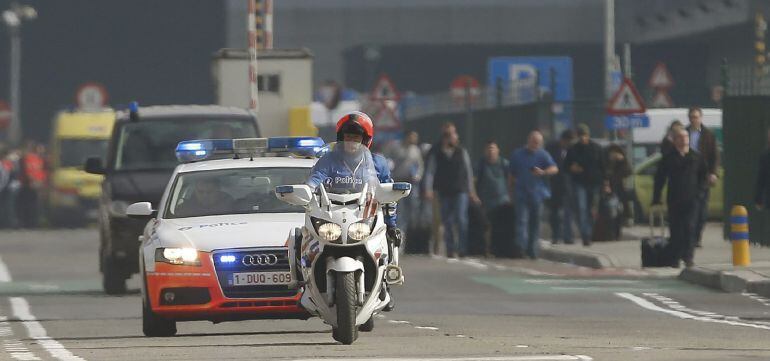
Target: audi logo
{"x":260,"y":259}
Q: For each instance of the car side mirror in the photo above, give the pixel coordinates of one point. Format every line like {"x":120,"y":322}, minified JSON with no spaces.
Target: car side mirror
{"x":94,"y":165}
{"x":392,"y":192}
{"x":140,"y":210}
{"x":298,"y":195}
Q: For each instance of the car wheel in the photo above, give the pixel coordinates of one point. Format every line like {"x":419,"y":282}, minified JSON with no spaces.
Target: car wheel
{"x":113,"y":281}
{"x":154,"y":325}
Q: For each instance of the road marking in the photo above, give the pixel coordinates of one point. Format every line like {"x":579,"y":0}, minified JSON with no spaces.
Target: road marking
{"x":641,"y":302}
{"x":5,"y":275}
{"x":426,"y":328}
{"x":37,"y":332}
{"x":14,"y":347}
{"x":497,"y":358}
{"x":757,"y":298}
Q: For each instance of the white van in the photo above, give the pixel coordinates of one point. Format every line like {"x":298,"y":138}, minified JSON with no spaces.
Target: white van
{"x":647,"y":140}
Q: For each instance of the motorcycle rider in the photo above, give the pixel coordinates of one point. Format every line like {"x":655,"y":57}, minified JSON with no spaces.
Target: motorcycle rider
{"x":357,"y":127}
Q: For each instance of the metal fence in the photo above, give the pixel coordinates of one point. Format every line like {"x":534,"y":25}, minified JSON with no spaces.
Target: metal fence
{"x":516,"y":93}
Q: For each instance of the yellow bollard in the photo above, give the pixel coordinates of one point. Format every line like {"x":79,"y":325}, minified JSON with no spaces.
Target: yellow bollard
{"x":739,"y":235}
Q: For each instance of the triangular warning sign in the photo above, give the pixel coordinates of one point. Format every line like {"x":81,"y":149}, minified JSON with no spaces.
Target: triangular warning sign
{"x":384,"y":89}
{"x":661,"y":100}
{"x":626,"y":100}
{"x":386,"y":119}
{"x":661,"y":78}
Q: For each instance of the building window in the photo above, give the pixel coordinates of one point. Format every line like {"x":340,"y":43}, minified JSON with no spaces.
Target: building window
{"x":269,"y":83}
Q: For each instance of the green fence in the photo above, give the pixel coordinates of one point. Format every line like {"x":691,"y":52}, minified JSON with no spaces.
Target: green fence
{"x":745,"y":120}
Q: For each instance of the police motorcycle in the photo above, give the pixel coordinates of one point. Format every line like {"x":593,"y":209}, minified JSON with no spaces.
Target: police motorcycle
{"x":342,"y":250}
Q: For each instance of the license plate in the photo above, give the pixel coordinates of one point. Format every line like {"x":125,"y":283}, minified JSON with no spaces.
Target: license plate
{"x":260,"y":278}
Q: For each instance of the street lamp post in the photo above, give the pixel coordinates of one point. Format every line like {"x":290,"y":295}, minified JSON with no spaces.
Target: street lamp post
{"x":13,"y":18}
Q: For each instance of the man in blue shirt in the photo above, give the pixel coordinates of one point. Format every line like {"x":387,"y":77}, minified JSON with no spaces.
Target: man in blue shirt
{"x":529,"y":167}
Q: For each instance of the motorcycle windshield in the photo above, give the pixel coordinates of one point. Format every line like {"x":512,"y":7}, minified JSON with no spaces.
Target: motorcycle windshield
{"x":346,"y":168}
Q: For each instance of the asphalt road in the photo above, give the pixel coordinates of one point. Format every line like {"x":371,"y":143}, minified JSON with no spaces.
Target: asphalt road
{"x":51,"y":307}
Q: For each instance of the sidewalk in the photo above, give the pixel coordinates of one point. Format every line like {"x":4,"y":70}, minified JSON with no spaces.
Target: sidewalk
{"x":713,"y":262}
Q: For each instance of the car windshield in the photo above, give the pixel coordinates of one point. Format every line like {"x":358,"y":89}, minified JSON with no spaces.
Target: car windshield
{"x":74,"y":152}
{"x":151,"y":144}
{"x":232,"y":191}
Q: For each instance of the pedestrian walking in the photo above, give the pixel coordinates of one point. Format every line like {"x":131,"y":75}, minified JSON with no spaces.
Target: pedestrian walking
{"x":684,"y":172}
{"x":529,"y":167}
{"x":407,"y":167}
{"x":492,"y":186}
{"x":584,"y":162}
{"x":703,"y":141}
{"x":34,"y":177}
{"x":615,"y":202}
{"x":450,"y":174}
{"x":762,"y":189}
{"x":667,"y":144}
{"x":559,"y":210}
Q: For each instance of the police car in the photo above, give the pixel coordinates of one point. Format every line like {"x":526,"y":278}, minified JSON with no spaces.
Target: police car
{"x":217,"y":246}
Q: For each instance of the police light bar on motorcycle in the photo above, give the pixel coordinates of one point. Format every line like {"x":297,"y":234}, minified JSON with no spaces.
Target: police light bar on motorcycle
{"x":198,"y":150}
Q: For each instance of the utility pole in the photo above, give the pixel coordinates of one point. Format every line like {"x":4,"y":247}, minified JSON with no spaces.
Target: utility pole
{"x":13,"y":19}
{"x":609,"y":46}
{"x":627,"y":73}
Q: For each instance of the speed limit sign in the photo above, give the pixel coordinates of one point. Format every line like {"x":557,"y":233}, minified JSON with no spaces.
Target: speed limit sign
{"x":91,"y":96}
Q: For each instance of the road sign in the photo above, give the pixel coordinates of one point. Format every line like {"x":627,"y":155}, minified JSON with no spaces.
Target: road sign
{"x":616,"y":122}
{"x":661,"y":78}
{"x":384,"y":89}
{"x":91,"y":96}
{"x":661,"y":100}
{"x":386,"y":119}
{"x":464,"y":83}
{"x":5,"y":114}
{"x":626,"y":100}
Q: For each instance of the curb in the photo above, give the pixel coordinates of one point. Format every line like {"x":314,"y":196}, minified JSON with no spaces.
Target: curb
{"x":581,"y":257}
{"x":733,"y":281}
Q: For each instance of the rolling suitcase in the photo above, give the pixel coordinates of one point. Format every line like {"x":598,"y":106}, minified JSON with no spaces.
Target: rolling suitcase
{"x":655,"y":249}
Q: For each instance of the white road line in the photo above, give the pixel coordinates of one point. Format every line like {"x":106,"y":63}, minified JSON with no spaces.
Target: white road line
{"x":37,"y":332}
{"x":757,"y":298}
{"x":497,"y":358}
{"x":5,"y":275}
{"x":14,"y":347}
{"x":684,"y":315}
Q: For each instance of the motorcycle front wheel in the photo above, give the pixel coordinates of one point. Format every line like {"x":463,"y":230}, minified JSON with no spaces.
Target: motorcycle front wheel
{"x":346,"y":302}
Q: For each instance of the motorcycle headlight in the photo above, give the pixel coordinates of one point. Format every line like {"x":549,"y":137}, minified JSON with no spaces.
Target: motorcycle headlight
{"x":118,"y":208}
{"x":359,"y":231}
{"x":330,"y":232}
{"x":178,"y":256}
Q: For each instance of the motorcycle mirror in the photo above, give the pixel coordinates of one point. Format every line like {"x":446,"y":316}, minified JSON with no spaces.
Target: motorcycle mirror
{"x":298,"y":195}
{"x":392,"y":192}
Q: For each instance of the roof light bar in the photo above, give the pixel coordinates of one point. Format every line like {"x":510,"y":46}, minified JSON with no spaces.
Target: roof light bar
{"x":197,"y":150}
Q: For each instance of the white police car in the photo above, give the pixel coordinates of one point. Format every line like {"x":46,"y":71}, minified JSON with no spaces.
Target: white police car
{"x":216,"y":249}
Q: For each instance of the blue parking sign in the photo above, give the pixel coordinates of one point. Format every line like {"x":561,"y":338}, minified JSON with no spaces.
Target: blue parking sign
{"x":616,"y":122}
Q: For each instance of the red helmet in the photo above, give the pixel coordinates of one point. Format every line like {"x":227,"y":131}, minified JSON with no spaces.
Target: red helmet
{"x":356,"y":123}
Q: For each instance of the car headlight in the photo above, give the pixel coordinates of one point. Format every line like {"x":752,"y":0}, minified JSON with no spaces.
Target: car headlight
{"x":330,"y":232}
{"x":359,"y":231}
{"x":178,"y":256}
{"x":118,"y":208}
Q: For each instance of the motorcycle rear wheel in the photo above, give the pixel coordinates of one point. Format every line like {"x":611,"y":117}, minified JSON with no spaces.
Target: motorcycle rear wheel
{"x":347,"y":306}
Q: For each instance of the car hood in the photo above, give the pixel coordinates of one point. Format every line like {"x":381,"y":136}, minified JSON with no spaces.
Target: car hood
{"x":229,"y":231}
{"x":139,"y":186}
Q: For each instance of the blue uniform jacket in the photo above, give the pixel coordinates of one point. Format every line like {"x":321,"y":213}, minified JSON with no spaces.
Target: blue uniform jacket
{"x":332,"y":167}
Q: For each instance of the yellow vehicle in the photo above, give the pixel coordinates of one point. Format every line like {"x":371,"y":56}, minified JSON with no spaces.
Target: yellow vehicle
{"x":74,"y":194}
{"x":644,"y":179}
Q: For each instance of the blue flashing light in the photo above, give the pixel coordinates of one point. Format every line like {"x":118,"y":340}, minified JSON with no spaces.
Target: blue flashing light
{"x":284,"y":189}
{"x":401,"y":186}
{"x":227,"y":258}
{"x":197,"y":150}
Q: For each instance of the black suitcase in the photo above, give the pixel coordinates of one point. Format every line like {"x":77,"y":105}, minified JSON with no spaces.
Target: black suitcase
{"x":655,"y":249}
{"x":503,"y":240}
{"x":478,"y":226}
